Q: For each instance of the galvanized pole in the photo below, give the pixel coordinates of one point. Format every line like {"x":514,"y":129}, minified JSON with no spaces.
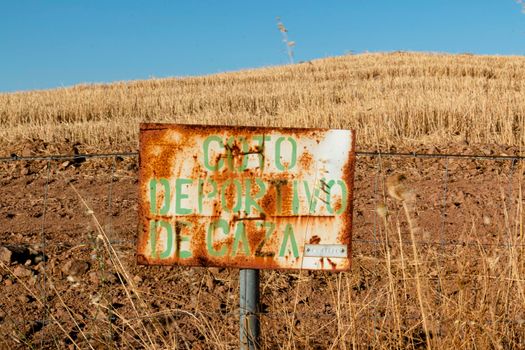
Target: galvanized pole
{"x":249,"y":308}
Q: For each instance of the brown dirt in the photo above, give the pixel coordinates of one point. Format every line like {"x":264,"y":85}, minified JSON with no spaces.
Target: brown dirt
{"x":40,"y":214}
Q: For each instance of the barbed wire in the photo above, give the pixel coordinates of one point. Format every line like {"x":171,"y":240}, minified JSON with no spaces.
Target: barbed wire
{"x":355,"y":241}
{"x":439,"y":156}
{"x":15,"y":157}
{"x":234,"y":312}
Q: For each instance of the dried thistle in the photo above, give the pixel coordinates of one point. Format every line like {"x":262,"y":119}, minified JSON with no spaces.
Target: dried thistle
{"x":397,"y":189}
{"x":382,"y":210}
{"x":281,"y":26}
{"x":522,"y":4}
{"x":289,"y":44}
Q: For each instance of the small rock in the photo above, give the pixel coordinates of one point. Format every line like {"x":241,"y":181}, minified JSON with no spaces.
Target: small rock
{"x":33,"y":280}
{"x":40,"y":267}
{"x":61,"y":314}
{"x":21,"y":272}
{"x":26,"y":152}
{"x":486,"y":151}
{"x":8,"y":282}
{"x":100,"y":314}
{"x":24,"y":299}
{"x":210,"y":282}
{"x":221,"y":289}
{"x":214,"y":270}
{"x":453,"y":167}
{"x":5,"y":255}
{"x":11,"y":253}
{"x":75,"y":268}
{"x":66,"y":267}
{"x":97,"y":277}
{"x":137,"y":279}
{"x":93,"y":277}
{"x":109,"y":277}
{"x":433,"y":150}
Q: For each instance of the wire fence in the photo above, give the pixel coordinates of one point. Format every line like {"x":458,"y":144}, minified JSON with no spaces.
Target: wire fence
{"x":15,"y":157}
{"x":468,"y":247}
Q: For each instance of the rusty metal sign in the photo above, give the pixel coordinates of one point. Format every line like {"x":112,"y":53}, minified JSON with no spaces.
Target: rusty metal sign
{"x":246,"y":197}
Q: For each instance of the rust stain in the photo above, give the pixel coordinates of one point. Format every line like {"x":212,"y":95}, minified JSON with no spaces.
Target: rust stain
{"x":259,"y":195}
{"x":306,"y":160}
{"x":315,"y":240}
{"x":141,"y":259}
{"x":333,"y":265}
{"x":348,"y":175}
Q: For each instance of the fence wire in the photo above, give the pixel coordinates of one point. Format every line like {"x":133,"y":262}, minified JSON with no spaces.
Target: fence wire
{"x":15,"y":157}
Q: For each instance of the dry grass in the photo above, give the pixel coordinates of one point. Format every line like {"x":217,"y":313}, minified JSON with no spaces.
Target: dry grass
{"x":396,"y":98}
{"x":401,"y":293}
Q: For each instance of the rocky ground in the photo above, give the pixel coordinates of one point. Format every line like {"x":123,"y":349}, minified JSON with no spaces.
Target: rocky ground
{"x":64,"y":283}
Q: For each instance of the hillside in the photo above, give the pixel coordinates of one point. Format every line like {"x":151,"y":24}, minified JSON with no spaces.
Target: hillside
{"x":390,"y":99}
{"x":437,"y":242}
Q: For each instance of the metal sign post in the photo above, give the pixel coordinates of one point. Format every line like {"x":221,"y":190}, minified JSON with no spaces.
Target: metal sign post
{"x":246,"y":197}
{"x":249,"y":309}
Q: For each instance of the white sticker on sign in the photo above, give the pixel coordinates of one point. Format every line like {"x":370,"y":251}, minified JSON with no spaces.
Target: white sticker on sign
{"x":326,"y":250}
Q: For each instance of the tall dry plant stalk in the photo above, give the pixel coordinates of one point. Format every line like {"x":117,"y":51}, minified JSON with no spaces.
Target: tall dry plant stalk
{"x":522,"y":4}
{"x":289,"y":44}
{"x":382,"y":212}
{"x":398,"y":189}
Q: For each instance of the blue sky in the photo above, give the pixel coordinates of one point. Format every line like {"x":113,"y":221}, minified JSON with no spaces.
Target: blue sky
{"x":54,"y":43}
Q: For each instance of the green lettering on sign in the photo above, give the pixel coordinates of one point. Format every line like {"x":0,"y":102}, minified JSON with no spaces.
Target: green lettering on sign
{"x":344,"y":195}
{"x":179,"y":210}
{"x":153,"y":196}
{"x":251,"y":201}
{"x":246,"y":152}
{"x":240,"y":237}
{"x":261,"y":140}
{"x":210,"y":195}
{"x":229,"y":152}
{"x":179,"y":225}
{"x":206,"y":150}
{"x":289,"y":235}
{"x":311,"y":197}
{"x":153,"y":234}
{"x":223,"y":224}
{"x":295,"y":199}
{"x":238,"y":191}
{"x":279,"y":192}
{"x":270,"y":228}
{"x":278,"y":155}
